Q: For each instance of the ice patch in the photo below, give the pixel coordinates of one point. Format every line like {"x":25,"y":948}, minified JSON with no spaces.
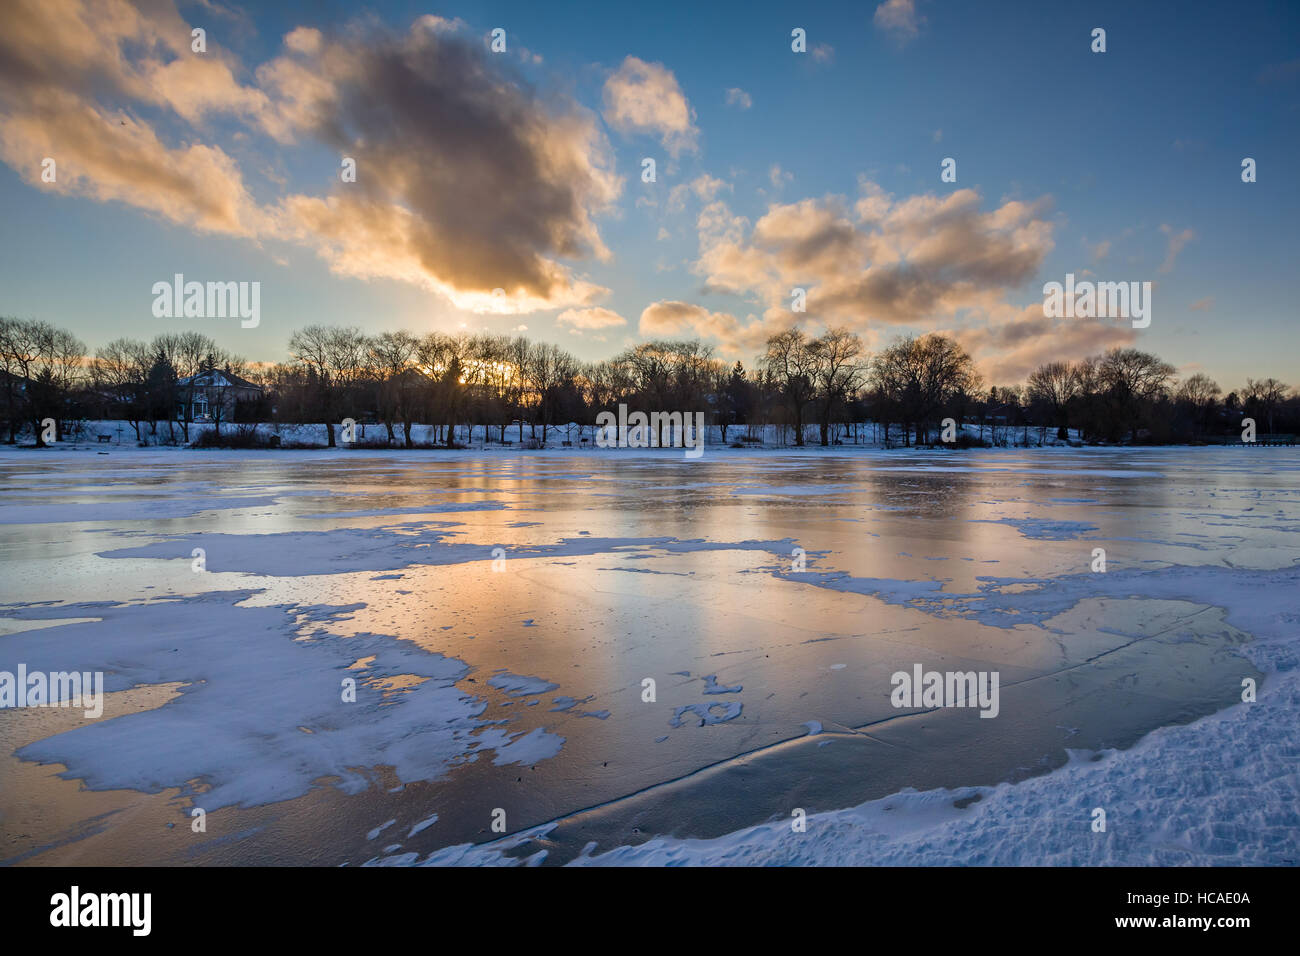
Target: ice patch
{"x":711,"y":686}
{"x":422,"y":825}
{"x":729,"y":711}
{"x":379,"y":829}
{"x":530,"y":748}
{"x":520,"y":685}
{"x":1042,"y":529}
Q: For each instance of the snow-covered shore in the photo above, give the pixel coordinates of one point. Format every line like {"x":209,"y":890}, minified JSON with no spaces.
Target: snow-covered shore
{"x":115,"y":435}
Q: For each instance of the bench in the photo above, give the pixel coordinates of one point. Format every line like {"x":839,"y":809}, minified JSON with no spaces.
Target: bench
{"x":104,"y":438}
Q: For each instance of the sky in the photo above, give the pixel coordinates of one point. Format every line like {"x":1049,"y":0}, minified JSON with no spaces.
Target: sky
{"x":504,"y":191}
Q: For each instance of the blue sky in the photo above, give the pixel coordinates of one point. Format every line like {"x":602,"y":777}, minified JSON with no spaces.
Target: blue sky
{"x":1123,"y":165}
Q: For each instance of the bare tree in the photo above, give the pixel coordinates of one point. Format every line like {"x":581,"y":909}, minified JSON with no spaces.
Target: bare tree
{"x":335,"y":361}
{"x":920,"y":376}
{"x":791,"y":363}
{"x":392,"y":360}
{"x":1200,"y":393}
{"x":1130,"y":378}
{"x":836,"y":370}
{"x":550,"y":367}
{"x":48,"y":363}
{"x":1267,"y":394}
{"x":1055,"y":385}
{"x":119,"y":369}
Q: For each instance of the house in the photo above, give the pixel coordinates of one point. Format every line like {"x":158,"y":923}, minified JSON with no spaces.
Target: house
{"x":212,"y":395}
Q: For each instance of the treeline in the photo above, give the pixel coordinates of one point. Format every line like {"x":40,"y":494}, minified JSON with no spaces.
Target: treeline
{"x":827,"y":385}
{"x":47,"y":373}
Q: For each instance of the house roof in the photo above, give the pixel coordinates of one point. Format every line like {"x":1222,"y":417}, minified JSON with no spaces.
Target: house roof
{"x":217,"y":378}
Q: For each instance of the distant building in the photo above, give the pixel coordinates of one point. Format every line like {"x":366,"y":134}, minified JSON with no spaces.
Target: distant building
{"x":212,"y":395}
{"x":12,"y":384}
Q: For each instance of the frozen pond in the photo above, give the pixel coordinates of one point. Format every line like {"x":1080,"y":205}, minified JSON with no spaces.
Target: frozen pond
{"x":500,"y":615}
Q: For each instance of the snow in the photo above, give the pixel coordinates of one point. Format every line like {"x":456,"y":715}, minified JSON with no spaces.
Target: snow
{"x":422,"y":825}
{"x":1045,"y":529}
{"x":711,"y":686}
{"x":251,"y":688}
{"x":406,"y":544}
{"x":123,"y":435}
{"x":373,"y":834}
{"x":518,"y":685}
{"x":533,"y":747}
{"x":710,"y":714}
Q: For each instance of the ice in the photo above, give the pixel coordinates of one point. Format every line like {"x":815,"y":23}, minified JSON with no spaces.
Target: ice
{"x":1044,"y":528}
{"x":711,"y":714}
{"x":422,"y":825}
{"x":380,"y":829}
{"x":529,"y":748}
{"x":518,"y":685}
{"x":225,"y":687}
{"x":711,"y":686}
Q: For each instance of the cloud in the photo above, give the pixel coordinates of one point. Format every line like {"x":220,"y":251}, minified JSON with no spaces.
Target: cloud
{"x":823,"y":53}
{"x":1008,"y":351}
{"x":899,"y":18}
{"x":1203,"y":305}
{"x":738,"y":97}
{"x":779,"y":177}
{"x":912,"y":262}
{"x":672,"y":318}
{"x":111,"y":49}
{"x":241,"y":20}
{"x":115,"y":157}
{"x":644,"y":97}
{"x":704,"y":186}
{"x":1101,"y":250}
{"x":55,"y":55}
{"x":1177,"y":240}
{"x":596,"y":318}
{"x":479,"y":185}
{"x":468,"y":181}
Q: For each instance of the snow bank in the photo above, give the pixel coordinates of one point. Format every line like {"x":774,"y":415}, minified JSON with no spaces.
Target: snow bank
{"x":121,"y":434}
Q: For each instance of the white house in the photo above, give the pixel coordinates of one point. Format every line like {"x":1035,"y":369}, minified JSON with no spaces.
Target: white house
{"x":212,"y":394}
